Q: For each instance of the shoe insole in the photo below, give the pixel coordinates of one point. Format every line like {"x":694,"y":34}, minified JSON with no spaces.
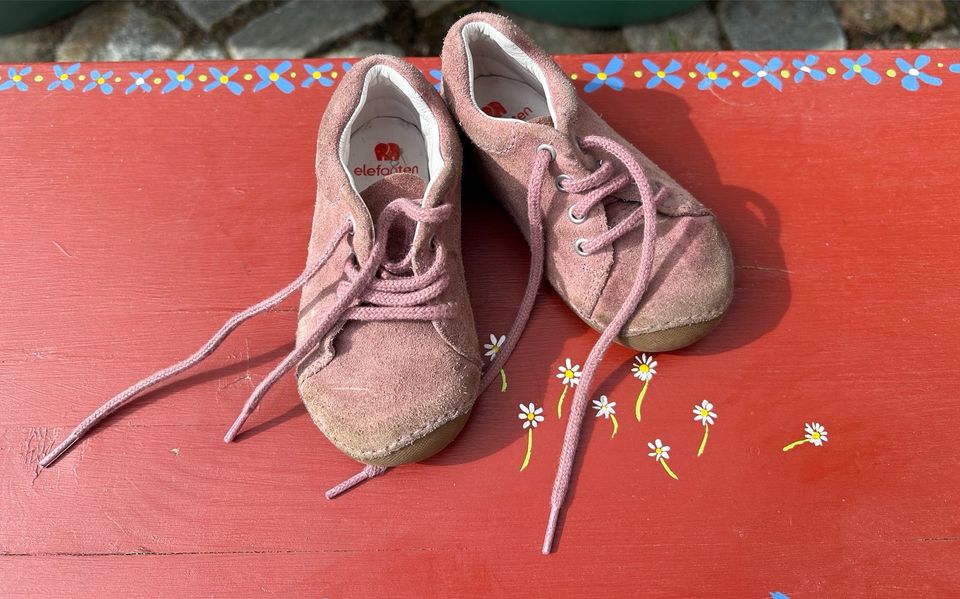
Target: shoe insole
{"x":506,"y":98}
{"x":385,"y":145}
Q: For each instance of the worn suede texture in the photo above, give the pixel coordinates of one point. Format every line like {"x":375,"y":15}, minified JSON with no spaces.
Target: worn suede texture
{"x":692,"y":281}
{"x":374,"y":388}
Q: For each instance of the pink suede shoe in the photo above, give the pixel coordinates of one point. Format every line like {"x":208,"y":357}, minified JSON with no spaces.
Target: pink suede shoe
{"x":387,"y":355}
{"x":585,"y":199}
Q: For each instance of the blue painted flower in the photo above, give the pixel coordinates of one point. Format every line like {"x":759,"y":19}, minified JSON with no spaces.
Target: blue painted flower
{"x":180,"y":80}
{"x":605,"y":76}
{"x":805,"y":67}
{"x":955,"y":68}
{"x":274,"y":77}
{"x":62,"y":77}
{"x":914,"y":75}
{"x":767,"y":72}
{"x":219,"y":78}
{"x":712,"y":77}
{"x":778,"y":595}
{"x":436,"y":74}
{"x":15,"y":79}
{"x":101,"y":80}
{"x":347,"y":66}
{"x":318,"y":75}
{"x":140,"y":82}
{"x":660,"y":75}
{"x":859,"y":67}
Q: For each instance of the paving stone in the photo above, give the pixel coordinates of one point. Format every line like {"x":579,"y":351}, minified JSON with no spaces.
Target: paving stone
{"x":36,"y":45}
{"x":425,"y":8}
{"x":119,"y":31}
{"x":297,"y":28}
{"x":570,"y":40}
{"x":694,"y":30}
{"x":781,"y":25}
{"x":873,"y":17}
{"x":946,"y":38}
{"x":364,"y":48}
{"x":202,"y":51}
{"x":207,"y":13}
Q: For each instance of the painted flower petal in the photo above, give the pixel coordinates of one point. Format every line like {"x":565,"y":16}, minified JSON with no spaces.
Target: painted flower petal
{"x":614,"y":66}
{"x":955,"y":68}
{"x":653,"y":82}
{"x":775,"y":82}
{"x":672,"y":67}
{"x":847,"y":63}
{"x":797,"y":64}
{"x":702,"y":69}
{"x":750,"y":65}
{"x":863,"y":59}
{"x":903,"y":65}
{"x":817,"y":75}
{"x":615,"y":83}
{"x":752,"y":81}
{"x":921,"y":61}
{"x":674,"y":81}
{"x":774,"y":64}
{"x":73,"y":68}
{"x":650,"y":65}
{"x":929,"y":79}
{"x":910,"y":83}
{"x":722,"y":82}
{"x":704,"y":84}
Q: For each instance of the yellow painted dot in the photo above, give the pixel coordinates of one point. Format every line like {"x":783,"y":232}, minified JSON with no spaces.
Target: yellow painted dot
{"x":691,"y":74}
{"x":735,"y":74}
{"x":857,"y":68}
{"x":82,"y":77}
{"x":712,"y":76}
{"x":274,"y":76}
{"x":38,"y":78}
{"x":64,"y":77}
{"x":224,"y":79}
{"x":891,"y":73}
{"x":247,"y":76}
{"x":334,"y":75}
{"x":602,"y":76}
{"x":940,"y":64}
{"x":572,"y":76}
{"x":201,"y":78}
{"x":180,"y":77}
{"x":116,"y":80}
{"x":661,"y":74}
{"x":784,"y":73}
{"x":293,"y":75}
{"x":17,"y":77}
{"x":100,"y":80}
{"x":316,"y":75}
{"x":638,"y":74}
{"x":831,"y":71}
{"x":157,"y":80}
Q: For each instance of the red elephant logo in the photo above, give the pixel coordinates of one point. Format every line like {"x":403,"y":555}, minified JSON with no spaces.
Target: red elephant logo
{"x":387,"y":151}
{"x":494,"y":109}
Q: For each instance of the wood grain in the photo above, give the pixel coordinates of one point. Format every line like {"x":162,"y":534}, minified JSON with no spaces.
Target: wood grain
{"x":131,"y":227}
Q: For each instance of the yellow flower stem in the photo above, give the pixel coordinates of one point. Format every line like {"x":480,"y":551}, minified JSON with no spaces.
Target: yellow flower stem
{"x":560,"y":403}
{"x":526,"y":459}
{"x":703,"y":444}
{"x":663,"y":463}
{"x":503,"y":381}
{"x":796,"y":443}
{"x":643,"y":393}
{"x":616,"y":425}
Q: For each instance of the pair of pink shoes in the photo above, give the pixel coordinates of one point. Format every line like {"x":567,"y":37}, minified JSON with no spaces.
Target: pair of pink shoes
{"x":387,"y":357}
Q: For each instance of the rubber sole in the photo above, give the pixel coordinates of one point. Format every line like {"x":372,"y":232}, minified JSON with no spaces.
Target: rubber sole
{"x":424,"y":447}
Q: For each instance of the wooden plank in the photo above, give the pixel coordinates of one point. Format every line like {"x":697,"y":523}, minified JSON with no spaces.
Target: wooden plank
{"x":132,"y":226}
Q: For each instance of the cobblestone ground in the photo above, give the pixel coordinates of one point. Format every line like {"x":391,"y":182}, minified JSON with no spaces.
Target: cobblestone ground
{"x":217,"y":29}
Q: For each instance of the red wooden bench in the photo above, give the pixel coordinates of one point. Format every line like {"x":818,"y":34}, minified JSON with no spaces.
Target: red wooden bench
{"x":133,"y":222}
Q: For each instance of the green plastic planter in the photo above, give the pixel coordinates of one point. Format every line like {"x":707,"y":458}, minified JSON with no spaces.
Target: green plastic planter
{"x":596,"y":13}
{"x":18,"y":15}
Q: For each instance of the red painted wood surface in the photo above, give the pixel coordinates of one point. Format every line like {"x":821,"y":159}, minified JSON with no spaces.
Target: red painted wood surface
{"x":132,"y":225}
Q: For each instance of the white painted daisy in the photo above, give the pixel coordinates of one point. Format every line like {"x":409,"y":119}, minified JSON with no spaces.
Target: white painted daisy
{"x":660,"y":451}
{"x":704,"y":413}
{"x":530,"y":415}
{"x":493,"y":348}
{"x":604,"y":407}
{"x":569,"y":373}
{"x":645,"y":367}
{"x":816,"y":434}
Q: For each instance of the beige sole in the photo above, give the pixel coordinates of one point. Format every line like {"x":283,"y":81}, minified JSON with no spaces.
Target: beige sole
{"x":424,"y":447}
{"x":667,"y":339}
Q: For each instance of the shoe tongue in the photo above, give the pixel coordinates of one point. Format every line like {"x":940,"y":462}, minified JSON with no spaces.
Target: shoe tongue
{"x":384,"y":191}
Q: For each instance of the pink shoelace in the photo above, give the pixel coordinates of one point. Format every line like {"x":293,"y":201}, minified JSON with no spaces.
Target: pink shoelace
{"x":377,"y":290}
{"x":596,"y":189}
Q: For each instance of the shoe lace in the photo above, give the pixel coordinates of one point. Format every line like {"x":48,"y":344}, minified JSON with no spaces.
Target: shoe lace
{"x":378,"y":289}
{"x":596,"y":189}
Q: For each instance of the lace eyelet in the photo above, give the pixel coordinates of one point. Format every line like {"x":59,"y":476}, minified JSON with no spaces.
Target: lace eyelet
{"x":353,"y":226}
{"x":573,"y":217}
{"x":549,"y":148}
{"x":578,"y":246}
{"x":558,"y":182}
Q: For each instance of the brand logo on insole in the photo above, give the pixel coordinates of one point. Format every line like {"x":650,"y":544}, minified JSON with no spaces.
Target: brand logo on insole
{"x":387,"y":151}
{"x":496,"y":110}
